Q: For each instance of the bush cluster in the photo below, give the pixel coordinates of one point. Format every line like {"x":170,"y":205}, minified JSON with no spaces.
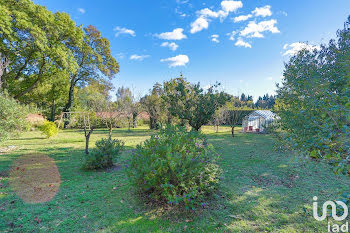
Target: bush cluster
{"x":175,"y":167}
{"x":12,"y":117}
{"x":102,"y":156}
{"x":49,"y":129}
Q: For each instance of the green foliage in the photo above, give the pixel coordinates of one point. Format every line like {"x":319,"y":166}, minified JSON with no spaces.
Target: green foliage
{"x":38,"y":43}
{"x":140,"y":122}
{"x":190,"y":102}
{"x":104,"y":153}
{"x":176,"y":167}
{"x":49,"y":129}
{"x":49,"y":56}
{"x":155,"y":106}
{"x":95,"y":60}
{"x":313,"y":102}
{"x":234,"y":113}
{"x":12,"y":117}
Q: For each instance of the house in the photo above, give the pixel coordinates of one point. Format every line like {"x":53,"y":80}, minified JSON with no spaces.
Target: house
{"x":257,"y":120}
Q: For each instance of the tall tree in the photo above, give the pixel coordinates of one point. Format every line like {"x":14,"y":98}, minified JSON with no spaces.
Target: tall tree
{"x":313,"y":101}
{"x":37,"y":42}
{"x":232,"y":115}
{"x":95,"y":62}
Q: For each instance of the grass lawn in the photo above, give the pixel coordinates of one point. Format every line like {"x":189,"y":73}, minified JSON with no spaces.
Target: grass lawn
{"x":261,"y":190}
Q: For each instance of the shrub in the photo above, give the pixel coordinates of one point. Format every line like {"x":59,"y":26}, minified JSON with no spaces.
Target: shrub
{"x":49,"y":129}
{"x":176,"y":167}
{"x":140,"y":122}
{"x":102,"y":156}
{"x":12,"y":117}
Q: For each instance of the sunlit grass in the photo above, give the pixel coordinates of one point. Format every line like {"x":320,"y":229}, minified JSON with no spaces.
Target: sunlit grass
{"x":261,"y":190}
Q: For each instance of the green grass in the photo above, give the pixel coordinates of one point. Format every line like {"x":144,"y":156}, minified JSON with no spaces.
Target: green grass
{"x":261,"y":190}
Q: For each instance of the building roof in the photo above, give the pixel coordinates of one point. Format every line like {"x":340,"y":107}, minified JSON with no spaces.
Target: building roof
{"x":267,"y":114}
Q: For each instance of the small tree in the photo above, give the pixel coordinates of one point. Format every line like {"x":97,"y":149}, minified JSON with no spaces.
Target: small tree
{"x":155,"y":106}
{"x":135,"y":112}
{"x":218,"y":119}
{"x":110,"y":114}
{"x":89,"y":120}
{"x":190,"y":102}
{"x":232,"y":114}
{"x":232,"y":117}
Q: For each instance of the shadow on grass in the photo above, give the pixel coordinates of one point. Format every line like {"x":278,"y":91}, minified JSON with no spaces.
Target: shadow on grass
{"x":261,"y":190}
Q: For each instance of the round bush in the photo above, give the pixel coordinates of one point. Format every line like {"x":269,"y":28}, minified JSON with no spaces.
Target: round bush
{"x":49,"y":129}
{"x":102,"y":156}
{"x":175,"y":167}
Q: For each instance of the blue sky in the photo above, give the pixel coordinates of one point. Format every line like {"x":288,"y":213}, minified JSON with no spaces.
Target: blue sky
{"x":241,"y":44}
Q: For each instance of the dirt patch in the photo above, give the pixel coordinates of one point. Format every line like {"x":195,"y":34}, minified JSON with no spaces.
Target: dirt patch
{"x":35,"y":178}
{"x":35,"y":118}
{"x":7,"y":149}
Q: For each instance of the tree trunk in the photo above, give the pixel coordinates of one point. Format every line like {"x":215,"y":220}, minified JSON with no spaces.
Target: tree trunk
{"x":152,"y":123}
{"x":87,"y":138}
{"x":53,"y":110}
{"x":170,"y":119}
{"x":31,"y":87}
{"x":134,"y":119}
{"x":110,"y":132}
{"x":70,"y":102}
{"x":233,"y":131}
{"x":196,"y":127}
{"x":4,"y":62}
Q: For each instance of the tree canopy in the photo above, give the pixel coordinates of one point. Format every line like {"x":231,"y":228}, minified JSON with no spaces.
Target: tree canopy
{"x":313,"y":101}
{"x":44,"y":56}
{"x":190,"y":102}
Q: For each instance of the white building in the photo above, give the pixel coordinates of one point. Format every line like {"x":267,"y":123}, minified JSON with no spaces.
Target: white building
{"x":258,"y":120}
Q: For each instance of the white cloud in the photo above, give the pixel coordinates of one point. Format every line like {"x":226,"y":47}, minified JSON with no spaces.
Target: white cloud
{"x":206,"y":12}
{"x":283,"y":13}
{"x":231,"y":6}
{"x":215,"y":38}
{"x":176,"y":34}
{"x":256,"y":29}
{"x":122,"y":30}
{"x":179,"y":12}
{"x":179,"y":60}
{"x":198,"y":25}
{"x":172,"y":46}
{"x":241,"y":43}
{"x":232,"y":35}
{"x":181,"y":1}
{"x":294,"y":48}
{"x":81,"y":10}
{"x":269,"y":78}
{"x":204,"y":15}
{"x":138,"y":57}
{"x":262,"y":11}
{"x":242,"y":18}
